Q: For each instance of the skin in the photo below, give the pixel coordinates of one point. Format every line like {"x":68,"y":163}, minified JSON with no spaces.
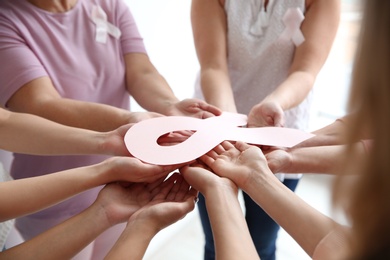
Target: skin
{"x":115,"y":204}
{"x":174,"y":201}
{"x":230,"y":231}
{"x":30,"y":134}
{"x":246,"y":166}
{"x":47,"y":190}
{"x":209,"y":24}
{"x":143,"y":82}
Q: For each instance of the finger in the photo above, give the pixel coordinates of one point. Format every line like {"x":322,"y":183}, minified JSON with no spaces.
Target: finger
{"x":219,"y":149}
{"x":161,"y":191}
{"x":241,"y":146}
{"x":175,"y":189}
{"x":183,"y":190}
{"x":210,"y":110}
{"x":227,"y":145}
{"x":151,"y":186}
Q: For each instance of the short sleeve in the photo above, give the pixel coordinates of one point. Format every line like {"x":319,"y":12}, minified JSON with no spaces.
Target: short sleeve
{"x":131,"y":39}
{"x":19,"y":64}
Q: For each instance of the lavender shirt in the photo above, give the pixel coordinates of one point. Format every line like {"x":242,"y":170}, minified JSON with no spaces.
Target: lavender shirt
{"x":36,"y":43}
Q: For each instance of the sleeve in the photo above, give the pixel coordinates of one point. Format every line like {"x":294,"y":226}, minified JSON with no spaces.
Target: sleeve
{"x":131,"y":39}
{"x":19,"y":64}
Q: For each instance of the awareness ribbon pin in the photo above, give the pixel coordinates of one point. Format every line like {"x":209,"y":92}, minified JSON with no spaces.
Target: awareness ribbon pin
{"x":103,"y":27}
{"x":141,"y":138}
{"x":292,"y":19}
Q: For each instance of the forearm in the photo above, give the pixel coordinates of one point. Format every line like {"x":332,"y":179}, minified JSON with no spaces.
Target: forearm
{"x":64,"y":240}
{"x":47,"y":190}
{"x":319,"y":29}
{"x":231,"y":235}
{"x":87,"y":115}
{"x":133,"y":241}
{"x":321,"y":159}
{"x":216,"y":89}
{"x":152,"y":92}
{"x":31,"y":134}
{"x":292,"y":213}
{"x":39,"y":97}
{"x":293,"y":90}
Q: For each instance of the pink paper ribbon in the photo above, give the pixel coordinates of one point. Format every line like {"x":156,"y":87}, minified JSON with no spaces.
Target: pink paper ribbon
{"x":141,"y":139}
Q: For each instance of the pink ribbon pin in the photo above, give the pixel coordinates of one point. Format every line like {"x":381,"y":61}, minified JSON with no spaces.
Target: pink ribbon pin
{"x":293,"y":19}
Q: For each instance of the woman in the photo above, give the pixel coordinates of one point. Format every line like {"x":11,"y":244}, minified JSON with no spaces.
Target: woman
{"x":365,"y":198}
{"x":77,"y":62}
{"x":260,"y":59}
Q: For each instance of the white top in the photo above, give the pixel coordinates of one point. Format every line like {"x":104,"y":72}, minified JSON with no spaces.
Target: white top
{"x":258,"y":57}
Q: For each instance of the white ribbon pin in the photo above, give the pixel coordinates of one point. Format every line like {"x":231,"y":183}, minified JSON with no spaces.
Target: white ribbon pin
{"x":292,"y":19}
{"x":103,"y":27}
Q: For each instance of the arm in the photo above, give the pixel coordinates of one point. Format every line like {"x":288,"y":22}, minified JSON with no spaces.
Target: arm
{"x":319,"y":28}
{"x":230,"y":231}
{"x":25,"y":133}
{"x":39,"y":97}
{"x":153,"y":93}
{"x":283,"y":205}
{"x":320,"y":159}
{"x":115,"y":204}
{"x":171,"y":201}
{"x":46,"y":190}
{"x":209,"y":27}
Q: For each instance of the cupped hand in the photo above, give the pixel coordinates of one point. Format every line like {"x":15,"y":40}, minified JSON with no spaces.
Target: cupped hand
{"x":238,"y":162}
{"x":114,"y":144}
{"x":168,"y":202}
{"x":131,"y":169}
{"x":266,"y":113}
{"x":194,"y":108}
{"x":206,"y":181}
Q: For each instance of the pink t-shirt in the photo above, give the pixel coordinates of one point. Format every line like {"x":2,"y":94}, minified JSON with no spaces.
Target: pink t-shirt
{"x":36,"y":43}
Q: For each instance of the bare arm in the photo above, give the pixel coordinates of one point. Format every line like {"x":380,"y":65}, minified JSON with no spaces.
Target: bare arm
{"x":320,"y":159}
{"x":39,"y":97}
{"x":319,"y":29}
{"x":26,"y":133}
{"x":170,"y":201}
{"x":153,"y":93}
{"x":231,"y":234}
{"x":33,"y":194}
{"x":115,"y":204}
{"x":209,"y":27}
{"x":248,"y":168}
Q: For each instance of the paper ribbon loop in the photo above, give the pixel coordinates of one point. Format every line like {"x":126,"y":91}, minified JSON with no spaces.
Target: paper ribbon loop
{"x":292,"y":19}
{"x":103,"y":27}
{"x":141,"y":139}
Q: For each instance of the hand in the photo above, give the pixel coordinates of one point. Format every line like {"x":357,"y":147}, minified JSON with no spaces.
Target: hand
{"x":114,"y":144}
{"x":130,"y":169}
{"x":167,"y":203}
{"x":206,"y":181}
{"x":279,"y":160}
{"x":195,"y":108}
{"x":237,"y":162}
{"x":267,"y":113}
